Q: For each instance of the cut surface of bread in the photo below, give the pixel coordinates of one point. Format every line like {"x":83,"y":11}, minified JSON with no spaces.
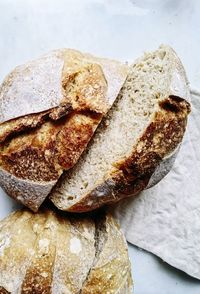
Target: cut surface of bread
{"x":144,"y":126}
{"x":51,"y":123}
{"x":54,"y":253}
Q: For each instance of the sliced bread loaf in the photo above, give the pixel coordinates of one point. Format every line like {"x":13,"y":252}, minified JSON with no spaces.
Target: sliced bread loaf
{"x":47,"y":252}
{"x":49,"y":110}
{"x":143,"y":129}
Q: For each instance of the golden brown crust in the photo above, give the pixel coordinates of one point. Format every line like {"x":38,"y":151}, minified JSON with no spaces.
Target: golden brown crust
{"x":85,"y":89}
{"x":4,"y":291}
{"x":40,"y":85}
{"x":38,"y":147}
{"x":34,"y":154}
{"x":39,"y":275}
{"x":74,"y":137}
{"x":160,"y":138}
{"x":38,"y":279}
{"x":86,"y":254}
{"x":28,"y":122}
{"x":58,"y":109}
{"x":16,"y":250}
{"x":44,"y":153}
{"x":15,"y":126}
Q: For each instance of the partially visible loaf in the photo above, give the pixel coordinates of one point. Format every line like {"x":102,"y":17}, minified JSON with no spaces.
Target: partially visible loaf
{"x":49,"y":110}
{"x":136,"y":140}
{"x":56,"y":253}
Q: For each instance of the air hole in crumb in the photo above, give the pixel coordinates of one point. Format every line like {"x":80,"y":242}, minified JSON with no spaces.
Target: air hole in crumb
{"x":70,"y":198}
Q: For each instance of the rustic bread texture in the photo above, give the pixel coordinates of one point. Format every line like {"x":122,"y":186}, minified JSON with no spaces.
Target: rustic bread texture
{"x":52,"y":253}
{"x":41,"y":83}
{"x":110,"y":255}
{"x":49,"y":110}
{"x":144,"y":128}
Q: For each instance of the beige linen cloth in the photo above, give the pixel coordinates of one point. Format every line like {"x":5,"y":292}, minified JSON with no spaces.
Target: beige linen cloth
{"x":165,"y":219}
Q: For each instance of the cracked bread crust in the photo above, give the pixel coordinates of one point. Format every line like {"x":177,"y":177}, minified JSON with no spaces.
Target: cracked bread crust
{"x":65,"y":255}
{"x":42,"y":154}
{"x":40,"y":85}
{"x":61,"y":98}
{"x":24,"y":123}
{"x":132,"y":175}
{"x":32,"y":153}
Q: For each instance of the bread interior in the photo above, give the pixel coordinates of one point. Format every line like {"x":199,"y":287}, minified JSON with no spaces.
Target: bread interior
{"x":148,"y":83}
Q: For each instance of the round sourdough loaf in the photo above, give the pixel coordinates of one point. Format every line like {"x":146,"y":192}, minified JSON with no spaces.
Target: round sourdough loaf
{"x":62,"y":254}
{"x":49,"y":110}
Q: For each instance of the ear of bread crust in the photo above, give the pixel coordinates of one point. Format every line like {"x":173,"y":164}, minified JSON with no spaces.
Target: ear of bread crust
{"x":32,"y":90}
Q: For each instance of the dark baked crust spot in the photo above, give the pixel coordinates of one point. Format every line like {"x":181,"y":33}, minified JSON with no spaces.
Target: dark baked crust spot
{"x":161,"y":137}
{"x":36,"y":284}
{"x":3,"y":291}
{"x":179,"y":100}
{"x":15,"y":127}
{"x":60,"y":111}
{"x":174,"y":104}
{"x":166,"y":105}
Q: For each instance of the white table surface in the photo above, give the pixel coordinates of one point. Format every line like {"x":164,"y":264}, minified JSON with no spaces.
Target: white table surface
{"x":120,"y":29}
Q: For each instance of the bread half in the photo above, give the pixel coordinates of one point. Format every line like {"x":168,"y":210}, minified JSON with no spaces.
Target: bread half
{"x":49,"y":110}
{"x":135,"y":144}
{"x":52,"y":253}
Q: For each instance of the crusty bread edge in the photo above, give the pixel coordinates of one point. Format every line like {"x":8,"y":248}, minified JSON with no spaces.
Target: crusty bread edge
{"x":29,"y":193}
{"x":112,"y":228}
{"x":115,"y":72}
{"x":179,"y":87}
{"x":123,"y":184}
{"x":163,"y":168}
{"x":127,"y":286}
